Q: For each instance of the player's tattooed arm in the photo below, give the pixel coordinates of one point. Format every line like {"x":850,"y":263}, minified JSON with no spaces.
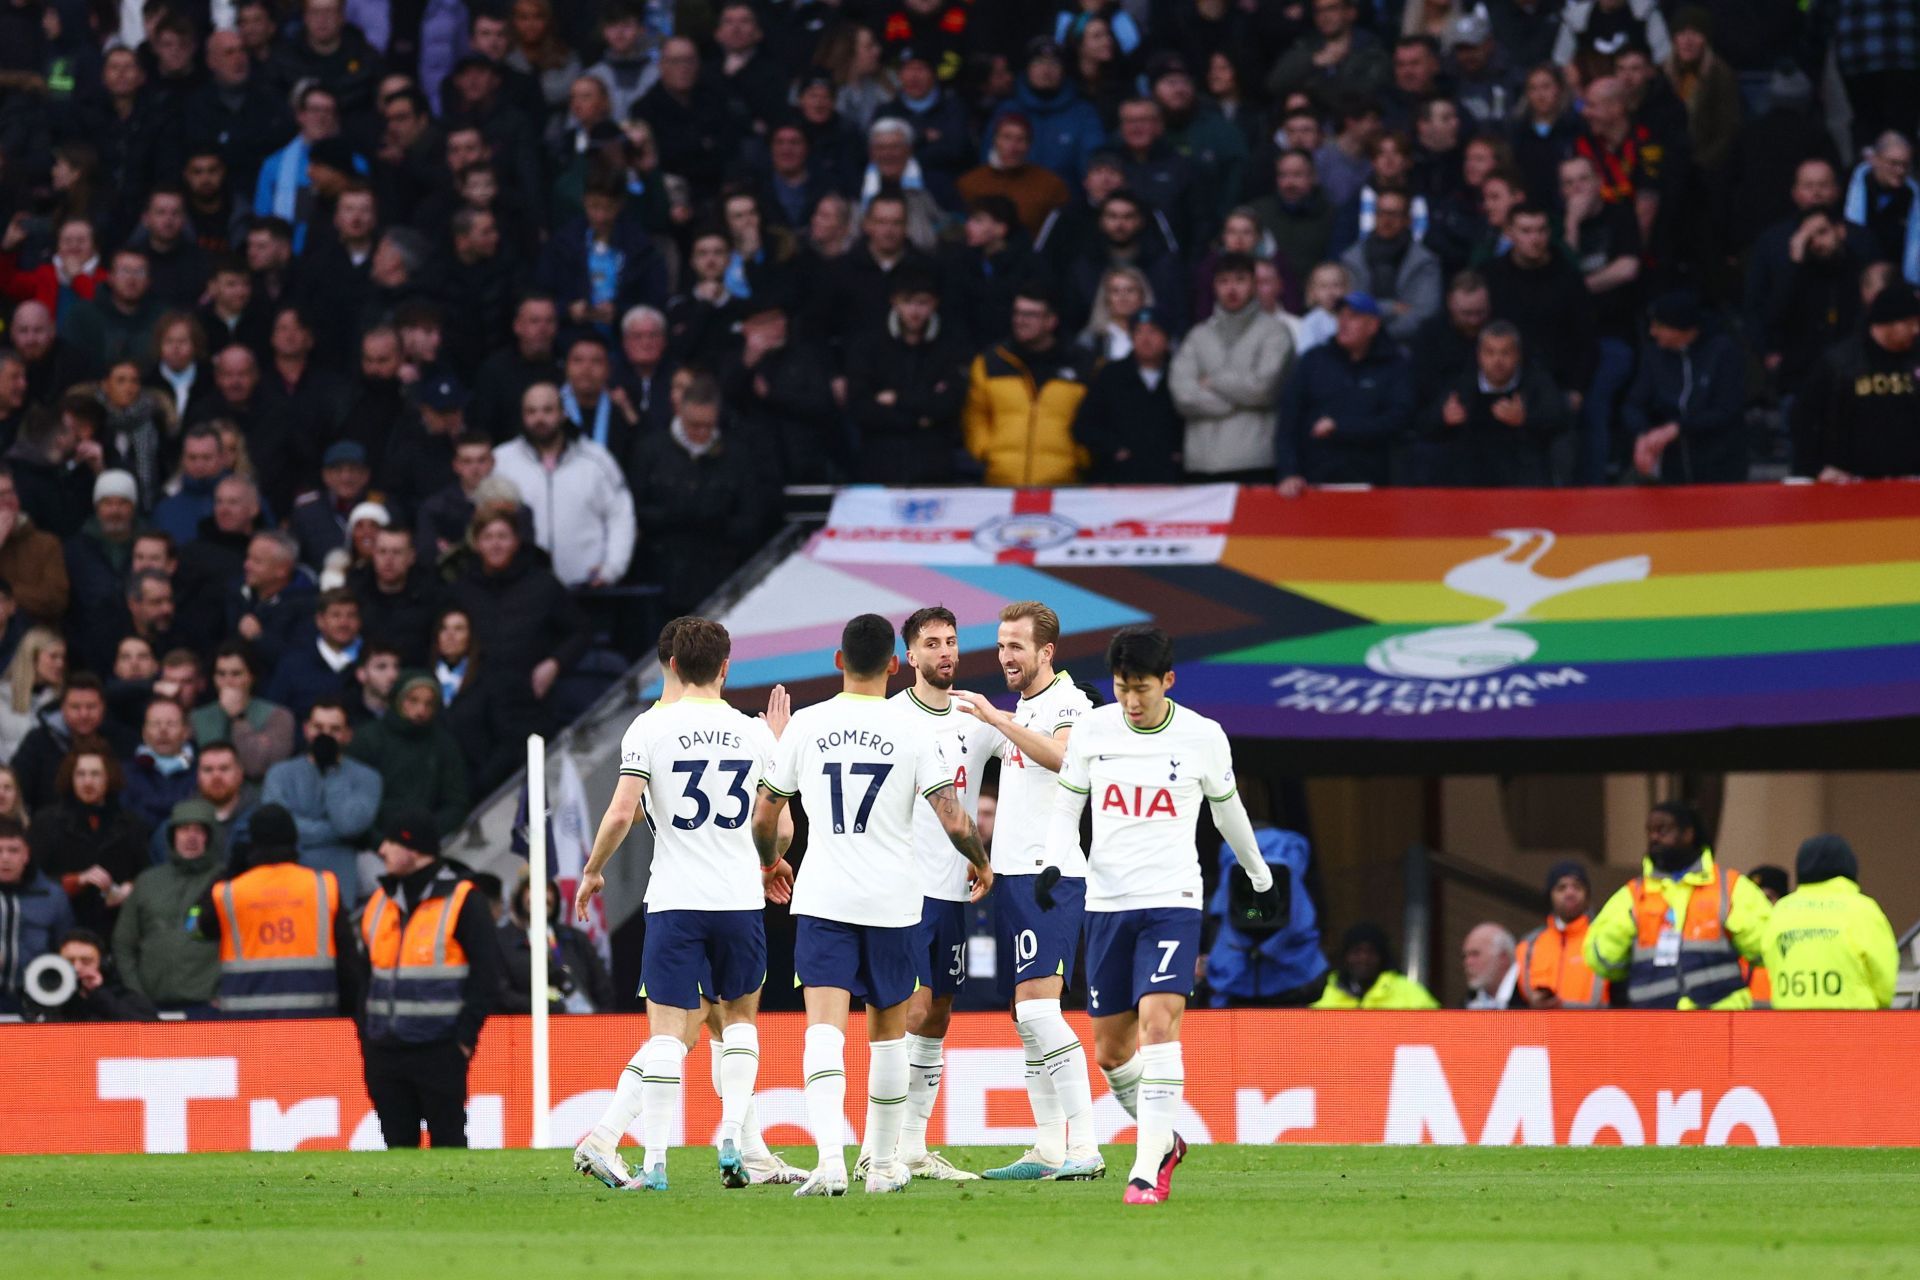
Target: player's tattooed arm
{"x":965,"y":837}
{"x":959,"y":827}
{"x":766,"y":827}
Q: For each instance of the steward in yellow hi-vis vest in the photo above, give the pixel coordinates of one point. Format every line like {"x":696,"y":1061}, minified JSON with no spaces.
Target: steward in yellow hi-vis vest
{"x":1365,"y":978}
{"x":434,"y":968}
{"x":1828,"y":945}
{"x":1677,"y":932}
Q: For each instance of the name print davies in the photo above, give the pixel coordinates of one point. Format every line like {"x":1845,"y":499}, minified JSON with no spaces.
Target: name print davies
{"x":708,"y":737}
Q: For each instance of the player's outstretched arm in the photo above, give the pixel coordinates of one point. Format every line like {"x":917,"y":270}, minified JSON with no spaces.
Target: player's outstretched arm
{"x":965,"y":837}
{"x":1045,"y":750}
{"x":1063,"y":831}
{"x":1235,"y":828}
{"x":614,"y":826}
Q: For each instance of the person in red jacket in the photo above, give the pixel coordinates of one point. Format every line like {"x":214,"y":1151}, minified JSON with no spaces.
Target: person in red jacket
{"x":74,"y":271}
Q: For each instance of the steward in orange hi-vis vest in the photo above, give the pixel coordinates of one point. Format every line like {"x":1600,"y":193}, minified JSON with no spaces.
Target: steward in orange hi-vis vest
{"x":277,"y":956}
{"x":1552,"y":960}
{"x":434,"y":968}
{"x":286,"y":937}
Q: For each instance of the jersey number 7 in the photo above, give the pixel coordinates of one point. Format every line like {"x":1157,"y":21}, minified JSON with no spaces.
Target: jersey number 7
{"x":702,"y":807}
{"x":877,"y":773}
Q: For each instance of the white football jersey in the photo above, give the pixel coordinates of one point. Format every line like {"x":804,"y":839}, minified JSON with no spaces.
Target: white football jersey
{"x":702,"y":762}
{"x":1146,"y":788}
{"x":943,"y":871}
{"x":1027,"y":789}
{"x":860,"y":766}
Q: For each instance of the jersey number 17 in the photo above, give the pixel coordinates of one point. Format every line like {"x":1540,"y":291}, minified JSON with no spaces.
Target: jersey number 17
{"x":876,"y":775}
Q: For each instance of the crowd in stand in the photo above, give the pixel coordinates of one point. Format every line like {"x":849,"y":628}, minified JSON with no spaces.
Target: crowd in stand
{"x":349,"y":347}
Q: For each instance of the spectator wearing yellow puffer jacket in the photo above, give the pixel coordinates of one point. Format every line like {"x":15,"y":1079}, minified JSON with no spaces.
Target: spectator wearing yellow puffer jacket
{"x":1366,"y":979}
{"x":1022,"y":400}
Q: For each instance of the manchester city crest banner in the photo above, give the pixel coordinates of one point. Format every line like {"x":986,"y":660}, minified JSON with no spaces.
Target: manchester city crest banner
{"x":1413,"y":615}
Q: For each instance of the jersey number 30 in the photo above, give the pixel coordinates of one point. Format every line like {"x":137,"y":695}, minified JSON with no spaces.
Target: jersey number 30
{"x":703,"y":807}
{"x":876,"y":775}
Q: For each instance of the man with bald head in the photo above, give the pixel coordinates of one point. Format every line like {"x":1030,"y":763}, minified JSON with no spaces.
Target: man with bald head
{"x":582,"y":510}
{"x":52,"y":364}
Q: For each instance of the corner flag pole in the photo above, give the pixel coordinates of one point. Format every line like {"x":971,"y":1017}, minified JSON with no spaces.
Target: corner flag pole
{"x":537,"y":929}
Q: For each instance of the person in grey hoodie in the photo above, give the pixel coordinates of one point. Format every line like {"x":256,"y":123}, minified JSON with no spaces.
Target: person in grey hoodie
{"x":333,"y":799}
{"x":1226,"y":378}
{"x":157,"y":942}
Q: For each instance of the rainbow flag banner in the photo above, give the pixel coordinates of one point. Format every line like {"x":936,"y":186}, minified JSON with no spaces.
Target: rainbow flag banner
{"x":1410,"y":615}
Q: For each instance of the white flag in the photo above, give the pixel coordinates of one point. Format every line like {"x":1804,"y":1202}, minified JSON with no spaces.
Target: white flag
{"x":572,"y":828}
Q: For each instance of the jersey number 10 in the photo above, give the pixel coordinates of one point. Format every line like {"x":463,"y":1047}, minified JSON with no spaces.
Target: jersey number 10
{"x":877,"y":777}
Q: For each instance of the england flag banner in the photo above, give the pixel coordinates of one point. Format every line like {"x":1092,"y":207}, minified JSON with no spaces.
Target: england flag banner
{"x":1119,"y":526}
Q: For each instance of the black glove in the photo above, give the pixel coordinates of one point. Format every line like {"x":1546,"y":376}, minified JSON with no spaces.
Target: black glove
{"x":1263,"y":907}
{"x":1043,"y":888}
{"x":326,"y":751}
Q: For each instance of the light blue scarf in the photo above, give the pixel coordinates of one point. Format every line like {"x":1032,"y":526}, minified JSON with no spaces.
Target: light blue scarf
{"x":1856,"y":213}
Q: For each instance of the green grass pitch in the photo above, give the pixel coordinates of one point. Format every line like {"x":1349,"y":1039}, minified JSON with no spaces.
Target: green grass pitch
{"x":1237,"y":1212}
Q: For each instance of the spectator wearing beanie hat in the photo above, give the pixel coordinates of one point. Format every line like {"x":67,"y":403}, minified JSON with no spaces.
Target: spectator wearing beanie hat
{"x":1552,"y":959}
{"x":1860,"y":415}
{"x":1828,"y":945}
{"x":99,"y":556}
{"x":1686,"y":406}
{"x":422,"y":1023}
{"x":1706,"y":85}
{"x":258,"y":883}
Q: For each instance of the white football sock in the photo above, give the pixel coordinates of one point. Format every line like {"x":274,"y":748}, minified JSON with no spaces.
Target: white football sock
{"x":866,"y":1129}
{"x":824,"y":1062}
{"x":924,"y":1066}
{"x":887,"y":1074}
{"x":1049,"y":1121}
{"x":618,"y":1117}
{"x":660,"y":1094}
{"x":1163,"y":1080}
{"x":739,"y":1067}
{"x":1065,"y":1064}
{"x":1124,"y":1080}
{"x":753,"y":1144}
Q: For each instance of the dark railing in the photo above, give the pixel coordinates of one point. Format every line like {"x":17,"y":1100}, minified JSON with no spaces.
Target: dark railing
{"x":1425,"y":874}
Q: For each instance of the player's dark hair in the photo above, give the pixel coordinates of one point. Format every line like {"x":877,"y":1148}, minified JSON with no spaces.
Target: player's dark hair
{"x":1140,"y":650}
{"x":12,"y":828}
{"x":865,"y":645}
{"x":1684,"y":816}
{"x":663,"y":649}
{"x":700,"y":647}
{"x":919,"y":618}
